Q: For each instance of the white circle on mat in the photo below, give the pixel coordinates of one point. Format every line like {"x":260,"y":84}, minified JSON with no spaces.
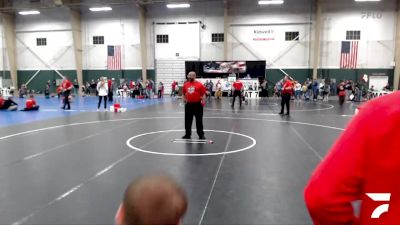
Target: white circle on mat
{"x":128,"y":143}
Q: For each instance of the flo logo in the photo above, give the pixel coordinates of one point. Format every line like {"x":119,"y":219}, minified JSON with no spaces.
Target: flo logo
{"x":191,"y":89}
{"x":380,"y":197}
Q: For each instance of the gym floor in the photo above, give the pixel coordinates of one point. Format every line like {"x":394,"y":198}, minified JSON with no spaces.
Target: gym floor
{"x":72,"y":167}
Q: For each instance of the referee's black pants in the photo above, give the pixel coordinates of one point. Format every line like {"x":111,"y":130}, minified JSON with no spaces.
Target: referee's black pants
{"x":67,"y":93}
{"x":196,"y":110}
{"x":237,"y":94}
{"x":285,"y":101}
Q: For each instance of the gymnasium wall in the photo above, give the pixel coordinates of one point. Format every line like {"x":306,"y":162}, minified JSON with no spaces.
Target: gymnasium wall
{"x":255,"y":33}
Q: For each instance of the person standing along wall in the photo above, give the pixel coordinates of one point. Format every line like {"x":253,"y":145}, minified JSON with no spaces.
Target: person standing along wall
{"x":102,"y":89}
{"x":110,"y":84}
{"x":47,"y":90}
{"x":66,"y":88}
{"x":315,"y":87}
{"x":160,"y":90}
{"x":173,"y":89}
{"x":297,"y":89}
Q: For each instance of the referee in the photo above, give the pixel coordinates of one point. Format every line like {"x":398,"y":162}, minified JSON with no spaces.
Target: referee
{"x":287,"y":91}
{"x":237,"y":92}
{"x":194,"y":96}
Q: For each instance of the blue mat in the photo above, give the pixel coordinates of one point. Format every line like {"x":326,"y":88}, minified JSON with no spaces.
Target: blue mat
{"x":51,"y":108}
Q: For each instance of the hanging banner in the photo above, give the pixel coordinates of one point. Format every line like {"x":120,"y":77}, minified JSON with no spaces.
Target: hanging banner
{"x":263,"y":34}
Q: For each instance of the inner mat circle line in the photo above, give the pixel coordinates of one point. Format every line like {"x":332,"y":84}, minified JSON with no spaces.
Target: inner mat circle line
{"x":330,"y":106}
{"x":154,"y":118}
{"x":128,"y":143}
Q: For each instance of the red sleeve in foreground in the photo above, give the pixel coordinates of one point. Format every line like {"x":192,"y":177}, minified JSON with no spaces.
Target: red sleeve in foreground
{"x":336,"y":182}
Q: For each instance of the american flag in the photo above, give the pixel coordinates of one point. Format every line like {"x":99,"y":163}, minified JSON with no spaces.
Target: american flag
{"x":114,"y":57}
{"x":349,"y":56}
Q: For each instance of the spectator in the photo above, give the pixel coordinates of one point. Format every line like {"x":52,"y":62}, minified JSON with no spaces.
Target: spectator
{"x":326,"y":89}
{"x":297,"y":90}
{"x":160,"y":90}
{"x":93,"y":86}
{"x":22,"y":91}
{"x":211,"y":88}
{"x":102,"y":89}
{"x":87,"y":88}
{"x":218,"y":92}
{"x":30,"y":104}
{"x":304,"y":89}
{"x":66,"y":88}
{"x":333,"y":88}
{"x":309,"y":89}
{"x":111,"y":85}
{"x":264,"y":88}
{"x":341,"y":93}
{"x":155,"y":200}
{"x":76,"y":87}
{"x":47,"y":90}
{"x":59,"y":91}
{"x":278,"y":88}
{"x":173,"y":88}
{"x":315,"y":87}
{"x":362,"y":161}
{"x":387,"y":87}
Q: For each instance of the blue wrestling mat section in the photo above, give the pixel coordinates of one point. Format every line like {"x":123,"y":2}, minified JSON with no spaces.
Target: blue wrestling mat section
{"x":51,"y":108}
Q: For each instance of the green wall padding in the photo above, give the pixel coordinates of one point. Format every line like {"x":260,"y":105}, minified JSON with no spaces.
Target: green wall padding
{"x":301,"y":75}
{"x":272,"y":75}
{"x":89,"y":75}
{"x":356,"y":75}
{"x":39,"y":82}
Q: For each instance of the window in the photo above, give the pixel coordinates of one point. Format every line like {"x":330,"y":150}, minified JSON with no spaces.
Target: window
{"x":41,"y":41}
{"x":292,"y":36}
{"x":162,"y":38}
{"x":98,"y":40}
{"x":353,"y":35}
{"x":217,"y":37}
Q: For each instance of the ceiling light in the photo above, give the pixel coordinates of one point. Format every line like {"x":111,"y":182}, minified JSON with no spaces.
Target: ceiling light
{"x":180,"y":5}
{"x":271,"y":2}
{"x":99,"y":9}
{"x":33,"y":12}
{"x":367,"y":0}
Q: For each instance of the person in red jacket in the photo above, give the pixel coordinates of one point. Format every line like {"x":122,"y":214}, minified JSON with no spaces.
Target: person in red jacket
{"x":173,"y":88}
{"x":156,"y":200}
{"x":363,"y":164}
{"x":66,"y":87}
{"x":194,"y":96}
{"x":341,"y":94}
{"x":287,"y":91}
{"x":30,"y":104}
{"x":237,"y":87}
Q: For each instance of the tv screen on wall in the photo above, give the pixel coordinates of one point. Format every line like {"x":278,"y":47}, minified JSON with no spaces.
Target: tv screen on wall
{"x":225,"y":67}
{"x":222,"y":69}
